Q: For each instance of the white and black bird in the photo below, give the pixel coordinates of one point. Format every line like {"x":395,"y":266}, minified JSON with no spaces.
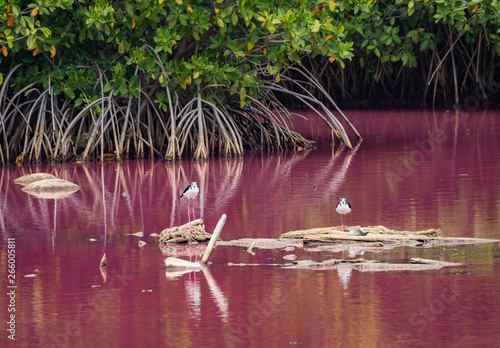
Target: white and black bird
{"x":343,"y":207}
{"x":353,"y":231}
{"x":190,"y":193}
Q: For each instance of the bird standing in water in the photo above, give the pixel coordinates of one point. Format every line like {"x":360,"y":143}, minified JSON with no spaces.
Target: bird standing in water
{"x":343,"y":207}
{"x":190,"y":193}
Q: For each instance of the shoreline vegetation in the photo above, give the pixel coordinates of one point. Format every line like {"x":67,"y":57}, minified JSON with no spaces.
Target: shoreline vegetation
{"x":111,"y":80}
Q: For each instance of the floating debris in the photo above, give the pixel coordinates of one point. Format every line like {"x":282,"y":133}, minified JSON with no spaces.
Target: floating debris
{"x":141,"y":243}
{"x":149,"y":290}
{"x":153,"y":234}
{"x":31,"y":275}
{"x":290,"y":257}
{"x":92,"y":240}
{"x":95,"y":286}
{"x":137,"y":234}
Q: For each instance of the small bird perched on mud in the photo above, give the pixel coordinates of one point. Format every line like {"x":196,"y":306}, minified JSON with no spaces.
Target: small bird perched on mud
{"x":190,"y":193}
{"x":353,"y":231}
{"x":343,"y":207}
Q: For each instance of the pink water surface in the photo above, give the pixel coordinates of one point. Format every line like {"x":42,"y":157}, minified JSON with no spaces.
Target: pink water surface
{"x":414,"y":170}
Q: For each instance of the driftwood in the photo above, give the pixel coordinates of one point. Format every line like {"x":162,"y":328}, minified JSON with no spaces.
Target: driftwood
{"x":29,"y":178}
{"x":173,"y":262}
{"x":104,"y":261}
{"x":379,"y":230}
{"x":262,"y":243}
{"x":373,"y":265}
{"x":213,"y":239}
{"x":379,"y":236}
{"x":190,"y":232}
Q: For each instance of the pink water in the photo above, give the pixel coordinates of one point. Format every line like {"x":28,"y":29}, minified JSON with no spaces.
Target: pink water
{"x":414,"y":170}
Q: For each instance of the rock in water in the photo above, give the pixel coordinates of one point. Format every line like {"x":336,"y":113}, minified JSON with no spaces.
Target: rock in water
{"x":29,"y":178}
{"x":50,"y":184}
{"x":51,"y":188}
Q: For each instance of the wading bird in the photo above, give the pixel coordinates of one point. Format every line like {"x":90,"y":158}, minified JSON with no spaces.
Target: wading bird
{"x":190,"y":193}
{"x":343,"y":207}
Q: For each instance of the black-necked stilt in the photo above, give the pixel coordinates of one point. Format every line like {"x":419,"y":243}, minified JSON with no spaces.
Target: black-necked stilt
{"x":190,"y":193}
{"x":343,"y":207}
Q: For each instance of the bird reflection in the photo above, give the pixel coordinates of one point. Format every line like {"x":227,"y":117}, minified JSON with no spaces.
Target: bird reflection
{"x":344,"y":271}
{"x":193,"y":296}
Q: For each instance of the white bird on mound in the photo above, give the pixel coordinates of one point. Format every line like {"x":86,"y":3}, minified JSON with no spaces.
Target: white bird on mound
{"x":190,"y":193}
{"x":343,"y":207}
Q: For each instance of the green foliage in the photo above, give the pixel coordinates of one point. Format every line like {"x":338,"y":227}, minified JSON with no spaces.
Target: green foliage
{"x":93,"y":47}
{"x":178,"y":43}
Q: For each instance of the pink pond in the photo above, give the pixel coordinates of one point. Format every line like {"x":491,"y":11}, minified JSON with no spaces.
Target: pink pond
{"x":414,"y":170}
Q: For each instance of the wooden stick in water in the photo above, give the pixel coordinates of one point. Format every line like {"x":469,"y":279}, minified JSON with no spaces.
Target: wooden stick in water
{"x":213,"y":239}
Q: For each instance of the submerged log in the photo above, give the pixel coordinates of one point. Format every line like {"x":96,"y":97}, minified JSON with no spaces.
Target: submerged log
{"x":190,"y":232}
{"x":373,"y":265}
{"x":173,"y":262}
{"x":262,"y":243}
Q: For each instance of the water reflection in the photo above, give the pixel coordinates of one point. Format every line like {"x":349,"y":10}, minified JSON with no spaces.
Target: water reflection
{"x":145,"y":189}
{"x":193,"y":293}
{"x":454,"y":187}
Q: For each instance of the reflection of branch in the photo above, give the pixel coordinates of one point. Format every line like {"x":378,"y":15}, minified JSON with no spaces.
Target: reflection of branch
{"x":339,"y":176}
{"x":232,"y":170}
{"x":217,"y":294}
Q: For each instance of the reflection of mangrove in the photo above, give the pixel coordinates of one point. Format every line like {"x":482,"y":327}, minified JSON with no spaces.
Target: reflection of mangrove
{"x":111,"y":188}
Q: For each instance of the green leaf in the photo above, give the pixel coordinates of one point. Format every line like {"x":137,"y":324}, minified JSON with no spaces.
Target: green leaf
{"x":31,"y":41}
{"x":316,"y":26}
{"x":69,"y":92}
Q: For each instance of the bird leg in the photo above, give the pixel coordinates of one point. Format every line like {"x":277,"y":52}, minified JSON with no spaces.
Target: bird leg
{"x":189,"y":217}
{"x":194,"y":218}
{"x":341,"y":220}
